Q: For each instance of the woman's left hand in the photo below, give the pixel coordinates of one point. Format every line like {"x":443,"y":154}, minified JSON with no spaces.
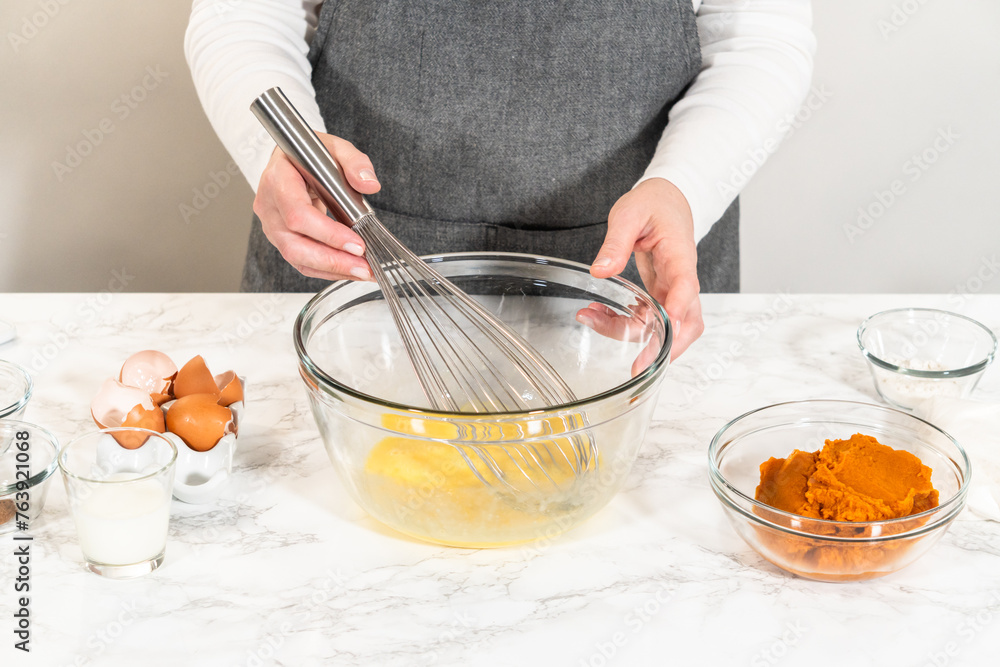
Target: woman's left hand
{"x":654,"y":221}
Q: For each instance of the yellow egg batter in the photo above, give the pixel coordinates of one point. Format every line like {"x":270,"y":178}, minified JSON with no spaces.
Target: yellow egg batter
{"x":428,"y":489}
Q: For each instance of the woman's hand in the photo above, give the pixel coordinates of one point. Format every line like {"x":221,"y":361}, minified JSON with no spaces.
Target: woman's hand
{"x":295,"y":221}
{"x":635,"y":326}
{"x":654,"y":221}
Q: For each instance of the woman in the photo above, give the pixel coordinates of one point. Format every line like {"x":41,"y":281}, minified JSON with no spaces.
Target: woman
{"x":588,"y":130}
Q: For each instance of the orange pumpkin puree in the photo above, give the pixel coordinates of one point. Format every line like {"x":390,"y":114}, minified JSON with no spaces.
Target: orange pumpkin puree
{"x":857,"y":479}
{"x":853,"y":480}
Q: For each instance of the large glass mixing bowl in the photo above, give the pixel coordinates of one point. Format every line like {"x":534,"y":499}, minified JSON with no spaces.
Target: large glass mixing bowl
{"x":409,"y":466}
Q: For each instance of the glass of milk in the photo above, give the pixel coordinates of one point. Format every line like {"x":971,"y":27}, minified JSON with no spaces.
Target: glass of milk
{"x":120,"y":498}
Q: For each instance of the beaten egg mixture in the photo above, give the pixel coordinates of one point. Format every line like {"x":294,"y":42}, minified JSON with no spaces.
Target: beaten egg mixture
{"x":427,"y":489}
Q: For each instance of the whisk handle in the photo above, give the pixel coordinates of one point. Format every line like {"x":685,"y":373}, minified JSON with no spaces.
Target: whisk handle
{"x":305,"y":150}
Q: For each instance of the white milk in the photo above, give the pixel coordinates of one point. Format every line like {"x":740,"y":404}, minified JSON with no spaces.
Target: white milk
{"x":121,"y":524}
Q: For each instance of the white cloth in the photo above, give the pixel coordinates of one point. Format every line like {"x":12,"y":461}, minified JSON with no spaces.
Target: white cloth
{"x":757,"y":63}
{"x":976,"y":426}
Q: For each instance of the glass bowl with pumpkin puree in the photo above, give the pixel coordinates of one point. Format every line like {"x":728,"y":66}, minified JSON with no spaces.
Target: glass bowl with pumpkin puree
{"x":838,"y":490}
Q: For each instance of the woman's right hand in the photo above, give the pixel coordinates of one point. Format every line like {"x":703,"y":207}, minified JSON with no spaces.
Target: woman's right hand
{"x":295,"y":221}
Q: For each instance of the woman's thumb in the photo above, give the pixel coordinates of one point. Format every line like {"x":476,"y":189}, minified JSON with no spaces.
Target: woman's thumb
{"x":623,"y":230}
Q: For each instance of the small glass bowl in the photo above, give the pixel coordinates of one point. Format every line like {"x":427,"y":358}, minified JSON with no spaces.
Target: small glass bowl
{"x":24,"y":444}
{"x":15,"y":390}
{"x":916,"y":353}
{"x":822,"y":549}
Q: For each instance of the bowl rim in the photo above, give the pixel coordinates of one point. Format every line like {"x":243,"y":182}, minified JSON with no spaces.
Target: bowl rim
{"x":944,"y":511}
{"x":29,"y":388}
{"x":48,"y":470}
{"x":977,"y":367}
{"x":655,"y":368}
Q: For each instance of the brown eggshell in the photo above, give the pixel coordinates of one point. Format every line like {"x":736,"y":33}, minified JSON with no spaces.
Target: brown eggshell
{"x":199,"y":420}
{"x":149,"y":370}
{"x":195,"y":378}
{"x":230,"y":388}
{"x":160,"y":399}
{"x":114,"y":401}
{"x":139,"y":417}
{"x":119,"y":405}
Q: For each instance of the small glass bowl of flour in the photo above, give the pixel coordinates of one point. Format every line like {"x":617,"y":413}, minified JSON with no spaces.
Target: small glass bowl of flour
{"x":916,"y":353}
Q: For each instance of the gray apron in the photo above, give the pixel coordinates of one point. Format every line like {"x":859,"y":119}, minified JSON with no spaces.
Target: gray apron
{"x":500,"y":125}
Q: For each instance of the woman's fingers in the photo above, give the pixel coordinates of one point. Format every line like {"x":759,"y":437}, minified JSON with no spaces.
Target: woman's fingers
{"x":320,"y":260}
{"x":646,"y":357}
{"x":357,"y":167}
{"x":323,"y":275}
{"x":691,"y":327}
{"x":295,"y":208}
{"x":676,"y":286}
{"x":612,"y":324}
{"x":630,"y":328}
{"x":294,"y":219}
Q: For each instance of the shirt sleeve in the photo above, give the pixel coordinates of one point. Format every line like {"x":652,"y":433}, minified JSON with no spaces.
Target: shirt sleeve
{"x":756,"y":69}
{"x":238,"y":50}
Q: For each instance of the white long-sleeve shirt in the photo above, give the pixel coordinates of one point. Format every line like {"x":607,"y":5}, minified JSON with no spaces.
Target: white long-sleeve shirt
{"x":756,"y":68}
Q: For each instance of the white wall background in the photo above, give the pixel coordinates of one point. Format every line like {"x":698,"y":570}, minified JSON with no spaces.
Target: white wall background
{"x":119,"y":208}
{"x":891,"y":93}
{"x":67,"y":63}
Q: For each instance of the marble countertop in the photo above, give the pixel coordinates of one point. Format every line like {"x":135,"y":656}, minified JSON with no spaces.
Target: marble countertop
{"x":285,"y":569}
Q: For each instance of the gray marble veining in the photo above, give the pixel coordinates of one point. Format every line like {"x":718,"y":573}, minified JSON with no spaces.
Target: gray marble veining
{"x":284,"y":569}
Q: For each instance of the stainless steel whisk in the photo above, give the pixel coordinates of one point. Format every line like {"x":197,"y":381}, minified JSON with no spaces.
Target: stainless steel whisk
{"x":465,"y":358}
